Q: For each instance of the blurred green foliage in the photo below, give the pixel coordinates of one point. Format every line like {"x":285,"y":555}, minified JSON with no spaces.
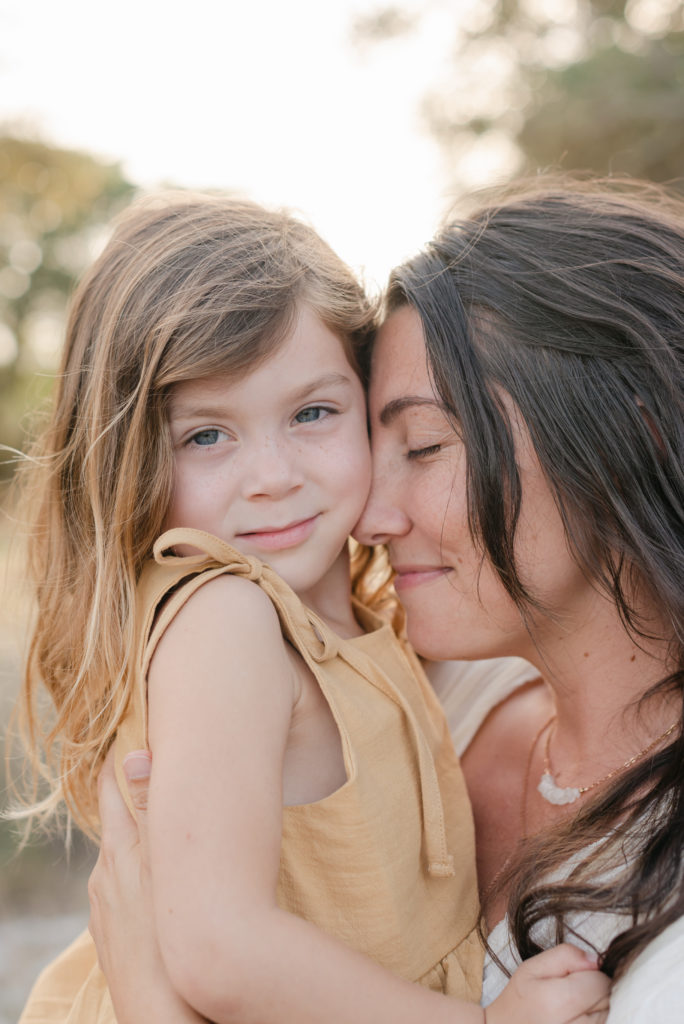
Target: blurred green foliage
{"x":55,"y":205}
{"x":614,"y":112}
{"x":590,"y":85}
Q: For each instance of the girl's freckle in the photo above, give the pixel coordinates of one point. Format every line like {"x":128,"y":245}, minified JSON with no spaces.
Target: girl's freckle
{"x":586,"y":654}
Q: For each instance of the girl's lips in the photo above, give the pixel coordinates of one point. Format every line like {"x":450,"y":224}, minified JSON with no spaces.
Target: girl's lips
{"x":414,"y":575}
{"x":278,"y":539}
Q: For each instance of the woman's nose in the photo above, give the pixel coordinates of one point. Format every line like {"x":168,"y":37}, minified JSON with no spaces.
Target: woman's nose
{"x":383,"y":518}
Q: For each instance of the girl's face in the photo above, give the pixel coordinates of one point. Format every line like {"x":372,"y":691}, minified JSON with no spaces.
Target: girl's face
{"x":276,"y":463}
{"x":456,"y":605}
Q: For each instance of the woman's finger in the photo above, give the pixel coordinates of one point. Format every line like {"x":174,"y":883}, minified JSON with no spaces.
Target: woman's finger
{"x":137,"y":767}
{"x":118,"y":826}
{"x":121,"y":867}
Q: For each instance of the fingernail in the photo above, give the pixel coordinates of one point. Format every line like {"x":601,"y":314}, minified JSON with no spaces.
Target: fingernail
{"x":137,"y":765}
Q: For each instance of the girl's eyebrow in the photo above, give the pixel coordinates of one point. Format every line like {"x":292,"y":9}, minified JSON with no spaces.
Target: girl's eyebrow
{"x":184,"y":409}
{"x":394,"y":408}
{"x":326,"y":380}
{"x":187,"y":408}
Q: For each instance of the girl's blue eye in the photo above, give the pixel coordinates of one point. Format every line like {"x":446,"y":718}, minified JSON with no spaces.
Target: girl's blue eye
{"x":423,"y":453}
{"x":205,"y":437}
{"x":310,"y":414}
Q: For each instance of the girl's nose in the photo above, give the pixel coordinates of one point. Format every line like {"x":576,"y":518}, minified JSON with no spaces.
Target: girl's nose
{"x":272,"y":471}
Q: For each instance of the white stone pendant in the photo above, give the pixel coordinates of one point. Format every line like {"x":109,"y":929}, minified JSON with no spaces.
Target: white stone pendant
{"x":554,"y":794}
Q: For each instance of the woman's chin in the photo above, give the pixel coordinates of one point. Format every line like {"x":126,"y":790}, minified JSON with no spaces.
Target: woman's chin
{"x":431,"y":644}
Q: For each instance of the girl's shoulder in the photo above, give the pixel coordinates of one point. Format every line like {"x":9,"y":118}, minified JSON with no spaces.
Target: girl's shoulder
{"x":195,"y":589}
{"x":189,"y":605}
{"x":218,"y":602}
{"x":224,"y":634}
{"x":240,"y":603}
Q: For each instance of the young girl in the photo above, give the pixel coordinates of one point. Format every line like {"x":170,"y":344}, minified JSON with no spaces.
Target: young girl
{"x":212,"y":392}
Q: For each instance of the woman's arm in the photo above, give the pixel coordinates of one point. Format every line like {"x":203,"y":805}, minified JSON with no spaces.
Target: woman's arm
{"x":121,"y":906}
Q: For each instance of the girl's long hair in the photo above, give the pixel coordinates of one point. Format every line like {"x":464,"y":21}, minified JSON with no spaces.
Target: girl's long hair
{"x":188,"y":286}
{"x":569,"y":296}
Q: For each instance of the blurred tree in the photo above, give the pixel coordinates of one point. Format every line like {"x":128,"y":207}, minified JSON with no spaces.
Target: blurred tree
{"x":54,"y":208}
{"x":595,"y":85}
{"x":615,"y":111}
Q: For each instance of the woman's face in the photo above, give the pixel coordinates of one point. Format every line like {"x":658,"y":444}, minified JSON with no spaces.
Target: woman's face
{"x":456,"y":605}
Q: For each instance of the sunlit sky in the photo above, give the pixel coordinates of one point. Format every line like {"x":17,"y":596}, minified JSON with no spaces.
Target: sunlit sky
{"x":267,"y":97}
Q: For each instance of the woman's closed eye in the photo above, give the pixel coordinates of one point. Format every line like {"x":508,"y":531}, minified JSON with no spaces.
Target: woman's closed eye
{"x":423,"y":453}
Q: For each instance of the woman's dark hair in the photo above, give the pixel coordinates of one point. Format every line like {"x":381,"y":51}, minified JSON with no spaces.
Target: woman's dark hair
{"x":569,"y":297}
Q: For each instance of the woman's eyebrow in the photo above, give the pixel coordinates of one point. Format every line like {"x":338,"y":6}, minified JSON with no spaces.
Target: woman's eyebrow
{"x":394,"y":408}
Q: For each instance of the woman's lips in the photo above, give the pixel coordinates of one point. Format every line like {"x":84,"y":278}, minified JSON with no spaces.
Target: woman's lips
{"x":414,"y":575}
{"x":274,"y":538}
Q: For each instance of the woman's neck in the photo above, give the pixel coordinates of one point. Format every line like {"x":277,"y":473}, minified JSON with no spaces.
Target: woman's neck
{"x":597,"y":674}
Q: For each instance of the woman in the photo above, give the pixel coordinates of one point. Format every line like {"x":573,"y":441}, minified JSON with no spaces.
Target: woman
{"x":527,"y":417}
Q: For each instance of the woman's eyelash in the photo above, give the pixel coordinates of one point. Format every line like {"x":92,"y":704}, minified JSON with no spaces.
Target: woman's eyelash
{"x":423,"y":453}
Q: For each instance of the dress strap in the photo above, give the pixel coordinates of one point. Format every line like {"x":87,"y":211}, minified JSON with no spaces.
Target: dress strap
{"x":302,"y":626}
{"x":210,"y":549}
{"x":440,"y":863}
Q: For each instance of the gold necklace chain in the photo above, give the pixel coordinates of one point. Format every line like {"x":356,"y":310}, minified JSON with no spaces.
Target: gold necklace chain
{"x":581,"y":790}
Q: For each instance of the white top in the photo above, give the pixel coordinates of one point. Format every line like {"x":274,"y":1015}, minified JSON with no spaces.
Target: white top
{"x":652,"y":989}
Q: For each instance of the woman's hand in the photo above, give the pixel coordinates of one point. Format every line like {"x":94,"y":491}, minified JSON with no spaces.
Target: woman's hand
{"x":120,"y":892}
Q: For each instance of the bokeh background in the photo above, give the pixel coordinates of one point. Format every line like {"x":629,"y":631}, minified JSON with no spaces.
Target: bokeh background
{"x":372,"y":119}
